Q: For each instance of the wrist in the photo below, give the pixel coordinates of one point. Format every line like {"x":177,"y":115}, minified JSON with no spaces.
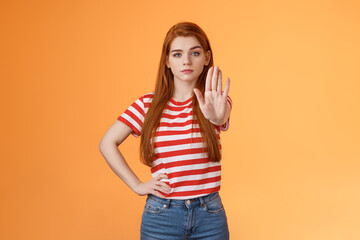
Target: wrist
{"x":136,"y":188}
{"x":217,"y":123}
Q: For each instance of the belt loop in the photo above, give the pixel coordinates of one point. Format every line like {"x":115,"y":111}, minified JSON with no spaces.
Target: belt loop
{"x":202,"y":202}
{"x":168,"y":203}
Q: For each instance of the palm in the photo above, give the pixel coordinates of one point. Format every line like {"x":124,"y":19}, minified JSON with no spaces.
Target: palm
{"x":214,"y":103}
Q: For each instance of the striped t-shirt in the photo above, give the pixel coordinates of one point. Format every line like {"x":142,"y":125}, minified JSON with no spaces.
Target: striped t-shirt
{"x":178,"y":148}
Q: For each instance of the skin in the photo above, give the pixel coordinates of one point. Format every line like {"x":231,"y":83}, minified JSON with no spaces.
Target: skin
{"x":184,"y":55}
{"x":213,"y":105}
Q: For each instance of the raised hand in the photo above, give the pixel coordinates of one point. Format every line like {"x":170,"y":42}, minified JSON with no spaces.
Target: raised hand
{"x":214,"y":104}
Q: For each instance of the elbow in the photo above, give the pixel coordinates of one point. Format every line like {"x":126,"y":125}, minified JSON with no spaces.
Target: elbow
{"x":105,"y":144}
{"x":101,"y":145}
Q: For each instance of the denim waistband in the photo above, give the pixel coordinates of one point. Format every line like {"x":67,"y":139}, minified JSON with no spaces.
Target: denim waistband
{"x":193,"y":201}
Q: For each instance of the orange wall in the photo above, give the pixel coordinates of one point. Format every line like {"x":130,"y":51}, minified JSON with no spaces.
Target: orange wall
{"x":291,"y":166}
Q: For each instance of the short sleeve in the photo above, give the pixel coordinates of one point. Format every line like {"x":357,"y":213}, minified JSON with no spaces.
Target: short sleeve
{"x":226,"y":125}
{"x":134,"y":116}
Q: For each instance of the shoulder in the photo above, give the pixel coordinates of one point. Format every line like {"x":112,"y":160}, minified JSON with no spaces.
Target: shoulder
{"x":147,"y":97}
{"x":143,"y":102}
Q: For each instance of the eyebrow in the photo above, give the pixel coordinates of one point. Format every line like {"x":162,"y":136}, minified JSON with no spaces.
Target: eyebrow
{"x":181,"y":50}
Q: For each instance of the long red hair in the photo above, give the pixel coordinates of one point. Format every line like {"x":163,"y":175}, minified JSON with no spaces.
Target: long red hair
{"x":164,"y":90}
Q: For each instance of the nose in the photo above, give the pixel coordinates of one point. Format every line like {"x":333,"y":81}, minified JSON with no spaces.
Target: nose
{"x":187,"y":60}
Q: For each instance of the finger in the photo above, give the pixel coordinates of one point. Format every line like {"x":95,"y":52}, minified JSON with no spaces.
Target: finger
{"x":156,"y":193}
{"x":161,"y":191}
{"x":160,"y":182}
{"x":219,"y":85}
{"x":160,"y":195}
{"x":214,"y":78}
{"x":157,"y":188}
{"x":161,"y":176}
{"x":227,"y":88}
{"x":208,"y":79}
{"x":199,"y":96}
{"x":165,"y":186}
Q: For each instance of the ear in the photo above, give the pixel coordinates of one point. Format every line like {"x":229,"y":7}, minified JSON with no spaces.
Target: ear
{"x":207,"y":57}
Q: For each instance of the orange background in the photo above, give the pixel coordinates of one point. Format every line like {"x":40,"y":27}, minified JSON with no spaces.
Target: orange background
{"x":291,"y":166}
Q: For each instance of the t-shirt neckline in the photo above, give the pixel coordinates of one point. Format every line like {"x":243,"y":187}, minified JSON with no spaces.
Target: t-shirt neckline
{"x":182,"y":102}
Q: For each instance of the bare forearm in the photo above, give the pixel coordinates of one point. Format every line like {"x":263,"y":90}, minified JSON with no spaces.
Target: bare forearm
{"x":117,"y":163}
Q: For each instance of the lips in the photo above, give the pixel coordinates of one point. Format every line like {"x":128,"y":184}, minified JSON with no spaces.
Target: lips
{"x":187,"y":71}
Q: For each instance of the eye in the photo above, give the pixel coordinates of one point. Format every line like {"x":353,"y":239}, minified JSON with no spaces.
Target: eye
{"x":178,"y":54}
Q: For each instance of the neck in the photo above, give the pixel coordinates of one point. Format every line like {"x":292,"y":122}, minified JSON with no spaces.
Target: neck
{"x":183,"y":90}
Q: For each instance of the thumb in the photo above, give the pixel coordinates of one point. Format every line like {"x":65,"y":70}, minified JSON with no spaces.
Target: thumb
{"x":199,"y":96}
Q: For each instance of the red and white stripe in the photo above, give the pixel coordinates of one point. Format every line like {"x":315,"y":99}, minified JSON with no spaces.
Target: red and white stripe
{"x":178,"y":148}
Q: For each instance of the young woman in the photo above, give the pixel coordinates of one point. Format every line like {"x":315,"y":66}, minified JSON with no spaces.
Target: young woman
{"x":180,"y":141}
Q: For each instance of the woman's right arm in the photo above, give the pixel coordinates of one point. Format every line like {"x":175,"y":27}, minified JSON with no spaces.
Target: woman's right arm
{"x":108,"y":147}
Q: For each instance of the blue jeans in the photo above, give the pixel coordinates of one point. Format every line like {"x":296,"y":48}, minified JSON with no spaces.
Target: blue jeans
{"x":197,"y":218}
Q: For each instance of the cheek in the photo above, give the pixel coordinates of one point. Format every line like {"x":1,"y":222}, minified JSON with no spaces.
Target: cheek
{"x":200,"y":64}
{"x":174,"y":63}
{"x":200,"y":61}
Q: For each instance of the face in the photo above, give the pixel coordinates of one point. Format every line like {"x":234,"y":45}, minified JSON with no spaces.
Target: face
{"x":187,"y":53}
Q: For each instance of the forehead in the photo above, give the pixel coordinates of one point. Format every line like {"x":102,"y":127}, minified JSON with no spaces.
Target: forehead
{"x":184,"y":43}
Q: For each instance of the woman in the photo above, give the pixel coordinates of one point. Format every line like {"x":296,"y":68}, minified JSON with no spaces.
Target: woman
{"x":180,"y":141}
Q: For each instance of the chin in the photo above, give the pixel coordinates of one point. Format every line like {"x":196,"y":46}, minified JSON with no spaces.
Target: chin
{"x":188,"y":79}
